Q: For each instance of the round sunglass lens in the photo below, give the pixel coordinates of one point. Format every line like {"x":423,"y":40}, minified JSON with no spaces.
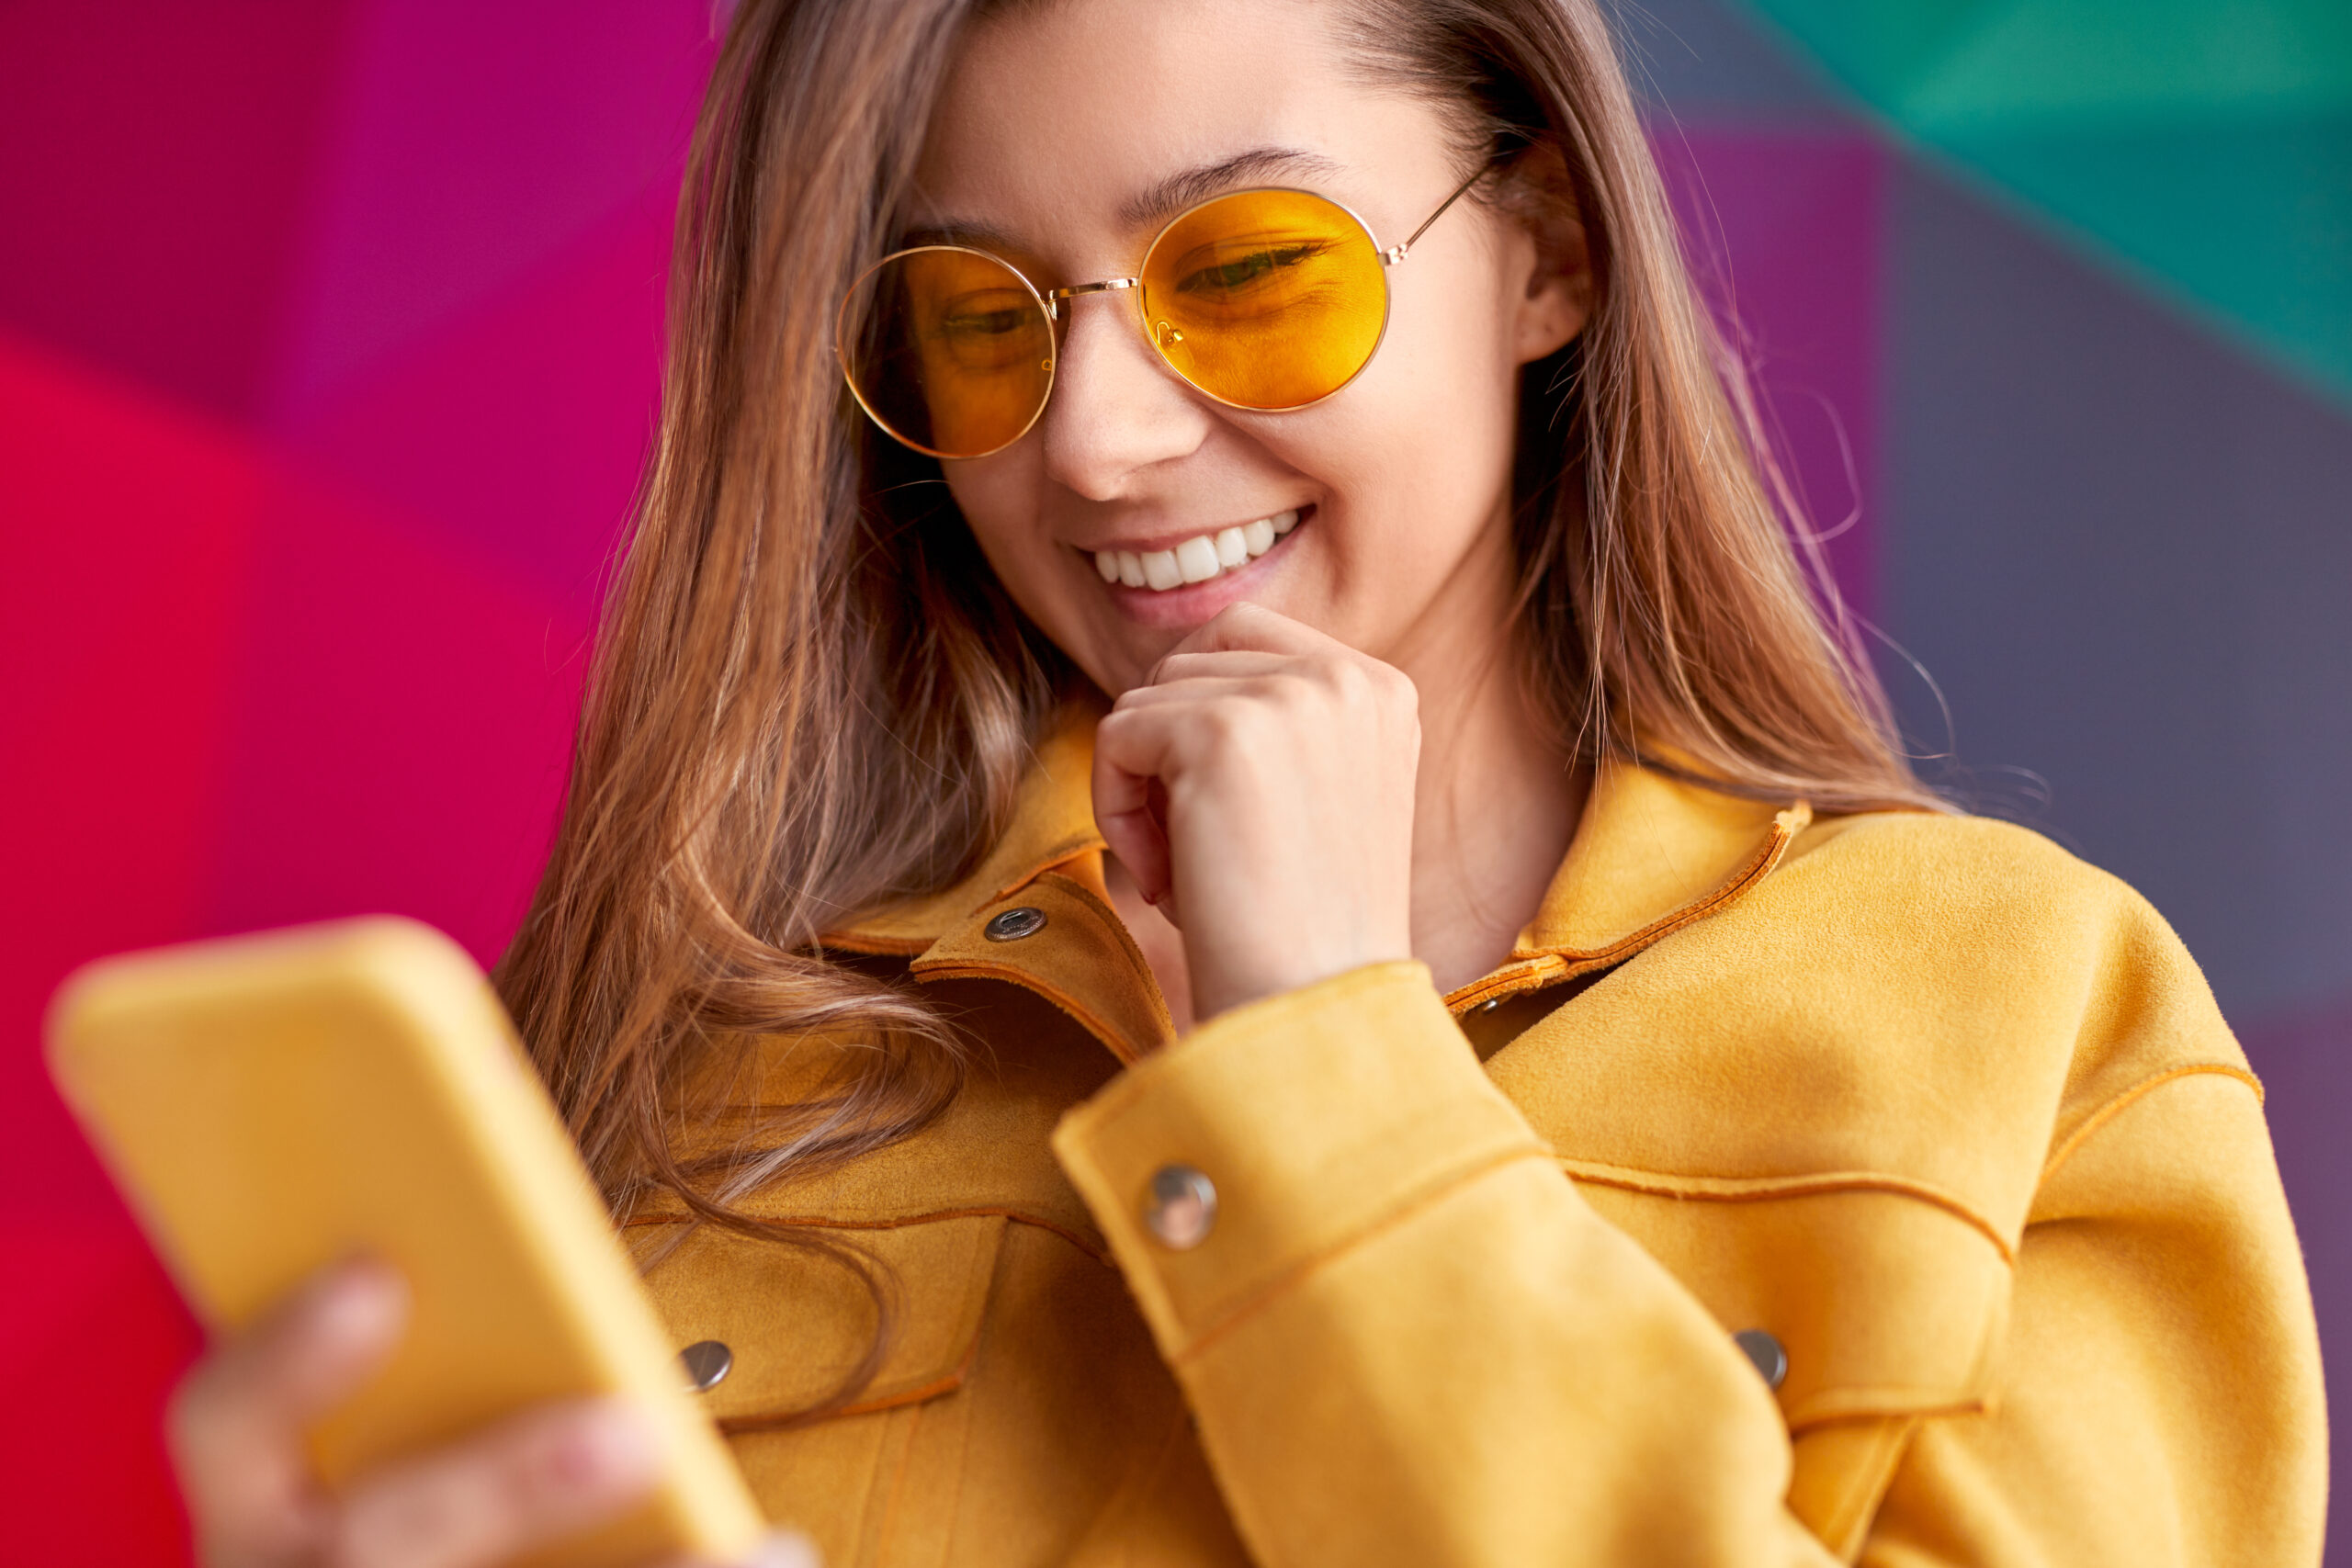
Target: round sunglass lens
{"x":1266,"y":298}
{"x":948,"y":349}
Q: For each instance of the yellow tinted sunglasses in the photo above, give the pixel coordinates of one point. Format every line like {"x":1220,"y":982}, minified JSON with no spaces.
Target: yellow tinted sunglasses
{"x":1264,"y":299}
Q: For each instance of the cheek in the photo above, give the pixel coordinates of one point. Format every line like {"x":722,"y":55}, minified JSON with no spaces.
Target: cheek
{"x":998,"y":497}
{"x":1454,"y":368}
{"x":1420,"y":445}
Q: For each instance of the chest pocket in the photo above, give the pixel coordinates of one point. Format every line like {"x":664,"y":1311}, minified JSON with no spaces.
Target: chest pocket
{"x":876,"y":1479}
{"x":772,"y":1330}
{"x":1885,"y":1299}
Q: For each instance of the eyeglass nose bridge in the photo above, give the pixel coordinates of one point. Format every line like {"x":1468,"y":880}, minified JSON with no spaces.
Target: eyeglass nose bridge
{"x":1054,"y":297}
{"x":1390,"y":256}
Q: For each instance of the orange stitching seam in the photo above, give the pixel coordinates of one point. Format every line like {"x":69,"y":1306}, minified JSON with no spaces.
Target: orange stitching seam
{"x":890,"y":1508}
{"x":1067,"y":850}
{"x":1783,"y":835}
{"x":874,"y":946}
{"x":899,"y":1221}
{"x":1108,"y":918}
{"x":2123,"y":1101}
{"x":1439,"y":1187}
{"x":1759,"y":1189}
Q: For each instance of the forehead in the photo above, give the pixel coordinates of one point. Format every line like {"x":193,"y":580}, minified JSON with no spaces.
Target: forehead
{"x":1062,"y":122}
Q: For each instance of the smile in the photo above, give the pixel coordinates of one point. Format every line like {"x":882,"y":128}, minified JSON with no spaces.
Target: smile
{"x":1196,"y":559}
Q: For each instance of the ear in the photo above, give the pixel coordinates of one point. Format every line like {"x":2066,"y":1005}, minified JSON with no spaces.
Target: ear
{"x":1554,"y":300}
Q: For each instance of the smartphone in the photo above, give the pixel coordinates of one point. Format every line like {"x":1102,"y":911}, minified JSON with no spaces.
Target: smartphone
{"x":271,"y":1104}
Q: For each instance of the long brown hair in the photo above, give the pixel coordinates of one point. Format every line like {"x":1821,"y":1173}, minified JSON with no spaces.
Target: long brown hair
{"x":809,"y":695}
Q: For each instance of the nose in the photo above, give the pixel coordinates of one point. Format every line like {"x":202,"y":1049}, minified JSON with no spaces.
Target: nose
{"x":1117,"y":409}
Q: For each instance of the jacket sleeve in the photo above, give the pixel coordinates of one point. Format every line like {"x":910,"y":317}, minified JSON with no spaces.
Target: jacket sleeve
{"x":1408,"y":1339}
{"x":2159,"y":1382}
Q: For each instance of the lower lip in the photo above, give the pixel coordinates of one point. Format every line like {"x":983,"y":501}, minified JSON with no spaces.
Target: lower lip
{"x":1195,"y":602}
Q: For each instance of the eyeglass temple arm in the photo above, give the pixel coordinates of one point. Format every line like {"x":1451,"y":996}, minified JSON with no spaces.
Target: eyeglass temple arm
{"x":1395,"y":253}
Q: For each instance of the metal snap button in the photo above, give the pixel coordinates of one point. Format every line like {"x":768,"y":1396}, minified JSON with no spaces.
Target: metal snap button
{"x":1180,"y":1207}
{"x":1011,"y":925}
{"x":1771,"y":1361}
{"x":706,"y":1362}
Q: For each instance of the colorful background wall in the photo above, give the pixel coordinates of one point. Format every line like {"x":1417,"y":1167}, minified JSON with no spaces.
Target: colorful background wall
{"x":328,"y":335}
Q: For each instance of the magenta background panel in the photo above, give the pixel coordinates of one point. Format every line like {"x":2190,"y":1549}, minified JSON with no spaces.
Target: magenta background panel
{"x":329,"y":339}
{"x":156,"y":165}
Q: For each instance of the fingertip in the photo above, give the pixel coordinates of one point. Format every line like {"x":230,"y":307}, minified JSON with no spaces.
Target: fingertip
{"x":785,"y":1549}
{"x":358,"y":1304}
{"x":604,"y":1446}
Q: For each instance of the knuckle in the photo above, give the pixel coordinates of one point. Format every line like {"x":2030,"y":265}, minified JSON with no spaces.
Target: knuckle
{"x":1349,"y":679}
{"x":1233,"y":725}
{"x":1302,"y":688}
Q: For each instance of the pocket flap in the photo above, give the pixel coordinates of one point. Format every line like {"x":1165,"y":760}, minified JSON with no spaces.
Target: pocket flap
{"x":1886,"y":1301}
{"x":795,"y":1322}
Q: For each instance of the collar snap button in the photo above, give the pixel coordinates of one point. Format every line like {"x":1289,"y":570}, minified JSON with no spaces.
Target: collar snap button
{"x":1181,"y":1207}
{"x":706,"y":1362}
{"x":1011,"y":925}
{"x":1771,"y":1360}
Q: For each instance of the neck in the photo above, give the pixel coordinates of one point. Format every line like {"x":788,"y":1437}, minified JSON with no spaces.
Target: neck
{"x":1497,"y":796}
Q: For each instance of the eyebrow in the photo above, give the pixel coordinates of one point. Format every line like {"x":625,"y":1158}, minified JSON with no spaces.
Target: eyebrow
{"x":1157,"y":202}
{"x":1160,"y":201}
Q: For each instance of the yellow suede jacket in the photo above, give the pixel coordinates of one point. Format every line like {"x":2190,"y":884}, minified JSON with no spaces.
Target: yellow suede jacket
{"x":1883,"y":1188}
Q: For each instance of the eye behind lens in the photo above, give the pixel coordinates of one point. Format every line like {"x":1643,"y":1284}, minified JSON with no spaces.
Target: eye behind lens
{"x":948,"y":349}
{"x":1266,"y":300}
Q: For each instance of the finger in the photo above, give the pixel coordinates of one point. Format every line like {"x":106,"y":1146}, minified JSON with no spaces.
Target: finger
{"x":1228,"y":663}
{"x":237,"y":1422}
{"x":1130,"y":829}
{"x":785,"y":1549}
{"x":1207,"y":686}
{"x":534,"y":1479}
{"x":1246,"y":627}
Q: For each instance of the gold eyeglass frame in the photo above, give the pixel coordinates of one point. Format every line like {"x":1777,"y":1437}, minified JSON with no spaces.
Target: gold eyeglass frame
{"x":1050,"y":302}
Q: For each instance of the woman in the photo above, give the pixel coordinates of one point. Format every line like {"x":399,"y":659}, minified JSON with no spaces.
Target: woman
{"x":1240,"y":908}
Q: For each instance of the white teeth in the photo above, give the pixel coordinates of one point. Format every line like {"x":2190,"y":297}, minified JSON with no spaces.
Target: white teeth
{"x":1197,"y":558}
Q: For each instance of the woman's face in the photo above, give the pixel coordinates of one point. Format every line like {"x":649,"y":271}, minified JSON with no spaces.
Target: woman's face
{"x":1060,"y":125}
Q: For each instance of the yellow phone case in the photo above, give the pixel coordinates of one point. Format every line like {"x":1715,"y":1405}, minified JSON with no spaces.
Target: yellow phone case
{"x":272,"y":1103}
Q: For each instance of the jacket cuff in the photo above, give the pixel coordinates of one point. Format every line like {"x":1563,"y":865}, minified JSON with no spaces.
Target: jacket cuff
{"x":1318,"y":1117}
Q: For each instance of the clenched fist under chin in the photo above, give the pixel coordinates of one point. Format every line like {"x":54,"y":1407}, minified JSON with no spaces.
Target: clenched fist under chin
{"x":1258,"y":786}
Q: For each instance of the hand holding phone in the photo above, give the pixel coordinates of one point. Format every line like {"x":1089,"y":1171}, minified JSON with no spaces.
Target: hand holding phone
{"x":524,"y":1484}
{"x":430,"y":1350}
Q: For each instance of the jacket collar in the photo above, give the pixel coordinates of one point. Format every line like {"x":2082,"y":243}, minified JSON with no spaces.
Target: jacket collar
{"x":1053,"y":826}
{"x":1655,"y":851}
